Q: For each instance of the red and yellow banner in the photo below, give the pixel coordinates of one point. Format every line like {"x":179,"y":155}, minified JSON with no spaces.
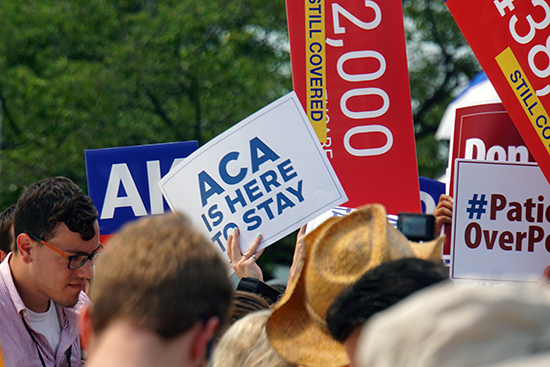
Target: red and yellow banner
{"x":350,"y":54}
{"x":316,"y":80}
{"x":511,"y":39}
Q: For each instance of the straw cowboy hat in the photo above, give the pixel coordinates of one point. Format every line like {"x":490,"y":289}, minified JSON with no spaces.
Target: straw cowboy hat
{"x":338,"y":252}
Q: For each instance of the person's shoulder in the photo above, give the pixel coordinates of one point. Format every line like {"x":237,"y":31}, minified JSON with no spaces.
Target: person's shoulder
{"x":5,"y":296}
{"x":8,"y":292}
{"x":5,"y":267}
{"x":83,"y":300}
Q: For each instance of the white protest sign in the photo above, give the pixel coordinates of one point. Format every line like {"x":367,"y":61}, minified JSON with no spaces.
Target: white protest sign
{"x":339,"y":211}
{"x":268,"y":174}
{"x":501,"y":222}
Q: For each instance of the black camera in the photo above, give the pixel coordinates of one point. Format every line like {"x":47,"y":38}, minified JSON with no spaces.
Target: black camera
{"x":416,"y":227}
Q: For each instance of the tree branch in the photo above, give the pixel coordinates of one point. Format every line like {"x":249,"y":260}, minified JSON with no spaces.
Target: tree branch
{"x":8,"y":117}
{"x":192,"y":92}
{"x":160,"y":111}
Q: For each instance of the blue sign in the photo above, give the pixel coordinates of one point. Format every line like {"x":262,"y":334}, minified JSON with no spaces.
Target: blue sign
{"x":123,"y":181}
{"x":430,"y":191}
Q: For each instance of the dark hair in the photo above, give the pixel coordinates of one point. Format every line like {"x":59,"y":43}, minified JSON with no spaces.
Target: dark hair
{"x":52,"y":201}
{"x":378,"y":289}
{"x":6,"y":234}
{"x":243,"y":303}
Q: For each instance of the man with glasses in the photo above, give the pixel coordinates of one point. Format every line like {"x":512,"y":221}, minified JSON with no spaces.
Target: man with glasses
{"x":42,"y":280}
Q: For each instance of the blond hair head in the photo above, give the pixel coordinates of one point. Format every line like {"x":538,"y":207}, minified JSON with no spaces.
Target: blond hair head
{"x":245,"y":343}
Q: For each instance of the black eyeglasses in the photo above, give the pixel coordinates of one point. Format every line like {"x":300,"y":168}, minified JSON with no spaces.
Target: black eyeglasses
{"x":75,"y":261}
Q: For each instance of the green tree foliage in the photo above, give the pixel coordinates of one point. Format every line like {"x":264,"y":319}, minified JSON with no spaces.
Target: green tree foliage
{"x":85,"y":74}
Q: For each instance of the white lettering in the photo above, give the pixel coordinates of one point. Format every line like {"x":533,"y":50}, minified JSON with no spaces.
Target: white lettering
{"x":365,"y":92}
{"x":368,"y":129}
{"x":153,"y":177}
{"x":480,"y":149}
{"x":120,"y":174}
{"x":496,"y":152}
{"x":361,"y":77}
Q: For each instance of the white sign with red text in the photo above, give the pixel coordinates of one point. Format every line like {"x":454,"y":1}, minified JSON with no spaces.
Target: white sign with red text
{"x":501,"y":222}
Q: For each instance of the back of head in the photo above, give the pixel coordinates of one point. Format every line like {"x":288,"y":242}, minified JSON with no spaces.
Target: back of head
{"x":161,"y":274}
{"x":243,"y":303}
{"x":51,"y":201}
{"x":378,"y":289}
{"x":245,"y":344}
{"x":6,"y":229}
{"x":458,"y":326}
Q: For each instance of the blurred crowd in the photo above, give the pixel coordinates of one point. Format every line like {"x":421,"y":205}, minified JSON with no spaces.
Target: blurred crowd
{"x":359,"y":293}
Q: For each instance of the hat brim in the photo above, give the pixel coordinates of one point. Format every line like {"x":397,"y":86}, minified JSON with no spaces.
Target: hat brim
{"x":291,"y":328}
{"x":298,"y":339}
{"x":291,"y":331}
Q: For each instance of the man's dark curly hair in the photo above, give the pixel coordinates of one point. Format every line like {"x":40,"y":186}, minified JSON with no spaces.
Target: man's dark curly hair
{"x":6,"y":236}
{"x":52,"y":201}
{"x":378,"y":289}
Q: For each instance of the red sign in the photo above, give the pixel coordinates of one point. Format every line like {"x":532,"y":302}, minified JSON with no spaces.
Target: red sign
{"x":484,"y":133}
{"x":362,"y":68}
{"x":511,"y":39}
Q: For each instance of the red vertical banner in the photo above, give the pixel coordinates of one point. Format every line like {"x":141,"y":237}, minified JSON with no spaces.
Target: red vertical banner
{"x":511,"y":40}
{"x":362,"y":68}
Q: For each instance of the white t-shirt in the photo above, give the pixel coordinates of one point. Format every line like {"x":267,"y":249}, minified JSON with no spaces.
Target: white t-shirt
{"x":47,"y":324}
